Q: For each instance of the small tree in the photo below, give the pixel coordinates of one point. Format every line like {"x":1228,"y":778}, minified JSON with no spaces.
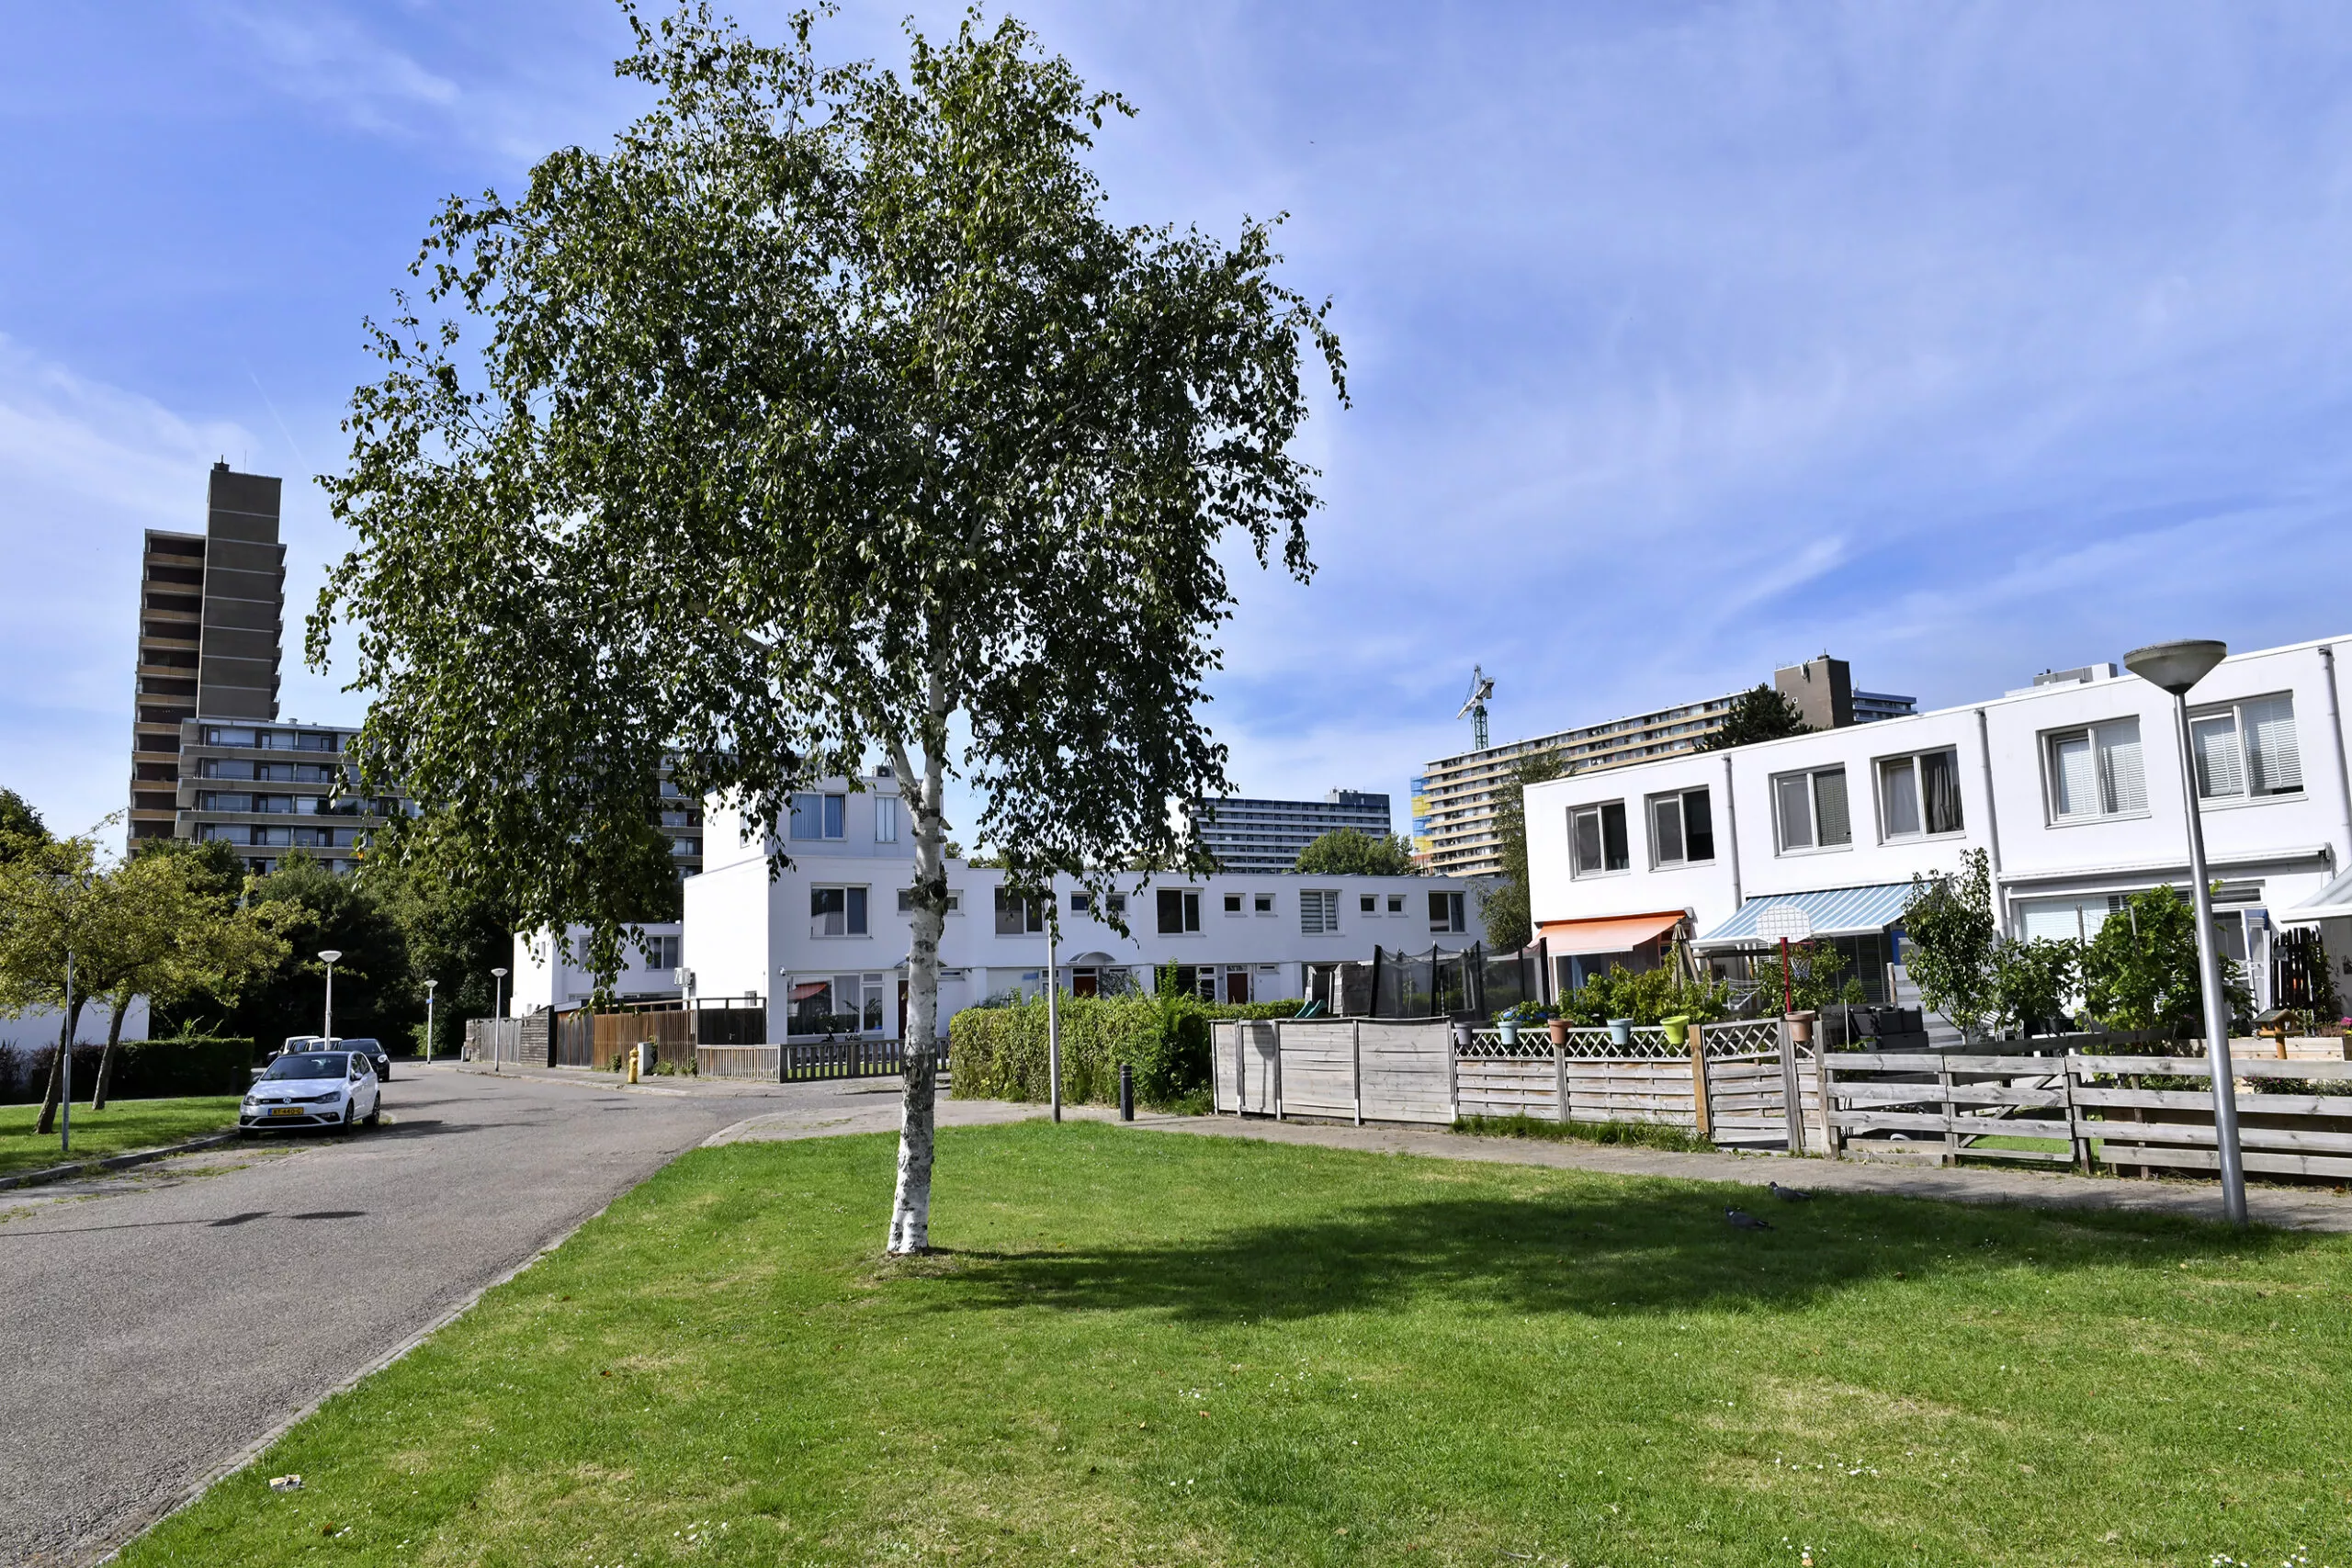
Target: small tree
{"x":1812,"y":981}
{"x":2033,"y":980}
{"x":1764,"y":712}
{"x":828,"y":416}
{"x":1508,"y":912}
{"x":2140,"y":971}
{"x":47,"y":934}
{"x":1954,"y":936}
{"x":1349,"y":851}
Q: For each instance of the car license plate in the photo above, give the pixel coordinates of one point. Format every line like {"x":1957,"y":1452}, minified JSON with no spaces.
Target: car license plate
{"x":286,"y":1110}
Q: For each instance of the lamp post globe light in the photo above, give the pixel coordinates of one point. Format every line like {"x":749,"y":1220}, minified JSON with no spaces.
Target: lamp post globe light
{"x":2176,"y":667}
{"x":329,"y":958}
{"x":498,"y":993}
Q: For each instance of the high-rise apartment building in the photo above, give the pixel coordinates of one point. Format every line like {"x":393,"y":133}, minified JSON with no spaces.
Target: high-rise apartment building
{"x":1456,"y":798}
{"x":1266,"y":835}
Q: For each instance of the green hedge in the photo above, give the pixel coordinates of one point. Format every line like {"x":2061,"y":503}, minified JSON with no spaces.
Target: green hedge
{"x":1000,"y":1052}
{"x":143,"y":1069}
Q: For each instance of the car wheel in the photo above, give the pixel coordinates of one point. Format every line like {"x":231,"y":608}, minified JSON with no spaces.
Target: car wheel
{"x":374,"y":1112}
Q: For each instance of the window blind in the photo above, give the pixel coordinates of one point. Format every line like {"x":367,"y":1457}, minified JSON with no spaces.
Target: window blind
{"x":2074,"y":781}
{"x":1796,"y":813}
{"x":1900,"y":783}
{"x":2118,"y":765}
{"x":2271,"y":757}
{"x":1829,"y":808}
{"x":2214,"y":742}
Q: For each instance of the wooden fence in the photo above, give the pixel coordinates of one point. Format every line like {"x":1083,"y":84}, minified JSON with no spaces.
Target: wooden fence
{"x":1732,"y":1082}
{"x":811,"y":1060}
{"x":587,"y":1038}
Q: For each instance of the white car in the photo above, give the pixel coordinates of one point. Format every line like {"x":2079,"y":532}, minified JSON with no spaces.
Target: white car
{"x":314,"y":1088}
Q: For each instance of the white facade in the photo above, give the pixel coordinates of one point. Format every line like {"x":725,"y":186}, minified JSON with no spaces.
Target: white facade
{"x":827,"y":938}
{"x":543,"y":979}
{"x":2074,"y":791}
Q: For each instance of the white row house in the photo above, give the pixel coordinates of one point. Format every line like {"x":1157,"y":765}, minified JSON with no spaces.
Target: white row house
{"x":824,"y":942}
{"x":2074,"y":788}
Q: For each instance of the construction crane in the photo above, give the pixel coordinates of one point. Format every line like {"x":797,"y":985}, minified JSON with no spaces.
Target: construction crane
{"x":1482,"y":686}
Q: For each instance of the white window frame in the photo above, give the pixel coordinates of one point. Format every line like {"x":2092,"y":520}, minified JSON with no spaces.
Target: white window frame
{"x":1396,"y":903}
{"x":1812,"y":777}
{"x":1679,"y":797}
{"x":829,"y":804}
{"x":1456,"y":918}
{"x":1599,"y":811}
{"x":1914,"y":761}
{"x":906,"y":901}
{"x":2235,"y":712}
{"x":1188,"y":911}
{"x":1237,"y":904}
{"x":1319,"y":911}
{"x":886,"y":818}
{"x":2102,"y":780}
{"x":857,"y":904}
{"x":1262,"y":903}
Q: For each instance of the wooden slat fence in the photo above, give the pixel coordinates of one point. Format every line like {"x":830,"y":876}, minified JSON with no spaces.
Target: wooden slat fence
{"x":2286,"y":1133}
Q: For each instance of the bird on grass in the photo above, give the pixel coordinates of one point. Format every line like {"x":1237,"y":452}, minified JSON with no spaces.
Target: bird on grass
{"x":1789,"y":1194}
{"x":1742,"y":1220}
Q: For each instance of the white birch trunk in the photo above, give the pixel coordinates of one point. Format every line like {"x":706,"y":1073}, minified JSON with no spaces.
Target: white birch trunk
{"x":910,"y":1204}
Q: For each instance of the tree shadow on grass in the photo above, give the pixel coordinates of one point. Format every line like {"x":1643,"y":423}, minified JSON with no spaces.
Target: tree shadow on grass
{"x":1636,"y":1252}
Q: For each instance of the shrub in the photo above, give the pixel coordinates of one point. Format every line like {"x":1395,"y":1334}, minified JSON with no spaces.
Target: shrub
{"x":143,"y":1069}
{"x":1648,"y":997}
{"x":1000,"y":1052}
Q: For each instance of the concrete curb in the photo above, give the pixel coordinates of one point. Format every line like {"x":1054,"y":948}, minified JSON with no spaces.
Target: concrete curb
{"x":112,"y":1162}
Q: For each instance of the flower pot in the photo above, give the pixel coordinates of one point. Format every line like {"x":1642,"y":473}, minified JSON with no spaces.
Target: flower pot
{"x":1462,"y":1035}
{"x":1509,"y":1028}
{"x":1677,"y":1030}
{"x":1621,"y":1031}
{"x":1559,"y":1031}
{"x":1801,"y":1027}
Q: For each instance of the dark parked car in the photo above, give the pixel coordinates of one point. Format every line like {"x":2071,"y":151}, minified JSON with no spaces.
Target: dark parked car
{"x":372,"y":1049}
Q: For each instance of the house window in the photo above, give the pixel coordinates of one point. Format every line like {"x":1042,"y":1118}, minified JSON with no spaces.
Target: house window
{"x":2096,"y":772}
{"x":886,"y":818}
{"x":1082,"y":903}
{"x":816,"y":816}
{"x":1318,"y":912}
{"x":1396,"y":903}
{"x":1446,"y":908}
{"x":835,"y":1004}
{"x":1369,"y":904}
{"x":1233,"y":903}
{"x":2246,"y":750}
{"x":1114,"y":903}
{"x":1179,"y":911}
{"x":1812,"y":809}
{"x":1264,"y":903}
{"x":837,"y":911}
{"x":1016,"y":916}
{"x":906,"y":901}
{"x":1597,"y":840}
{"x":665,"y":952}
{"x":1919,"y":795}
{"x":1683,"y":828}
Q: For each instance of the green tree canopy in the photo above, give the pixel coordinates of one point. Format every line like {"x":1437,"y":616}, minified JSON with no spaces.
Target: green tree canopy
{"x":1351,"y":851}
{"x":20,"y":825}
{"x":2140,"y":971}
{"x":1954,"y":938}
{"x":825,"y":416}
{"x":1762,"y":713}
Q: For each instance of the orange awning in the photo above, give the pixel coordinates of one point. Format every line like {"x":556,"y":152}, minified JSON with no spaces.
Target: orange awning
{"x":1617,"y":933}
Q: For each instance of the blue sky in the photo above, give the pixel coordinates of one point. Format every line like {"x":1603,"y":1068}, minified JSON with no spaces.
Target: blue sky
{"x":1961,"y":339}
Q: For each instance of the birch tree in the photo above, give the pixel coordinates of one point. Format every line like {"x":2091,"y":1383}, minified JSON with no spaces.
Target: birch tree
{"x":825,"y":418}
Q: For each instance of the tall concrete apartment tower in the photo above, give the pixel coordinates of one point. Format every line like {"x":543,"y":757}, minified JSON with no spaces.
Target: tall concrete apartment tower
{"x":211,"y":630}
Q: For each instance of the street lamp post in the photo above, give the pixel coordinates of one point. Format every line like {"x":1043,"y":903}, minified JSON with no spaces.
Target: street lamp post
{"x":2176,"y":667}
{"x":1053,"y":1008}
{"x":498,"y":993}
{"x":329,"y":958}
{"x":428,"y":1021}
{"x":65,"y":1066}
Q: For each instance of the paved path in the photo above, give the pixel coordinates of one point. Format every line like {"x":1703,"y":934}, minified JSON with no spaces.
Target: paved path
{"x":162,"y":1322}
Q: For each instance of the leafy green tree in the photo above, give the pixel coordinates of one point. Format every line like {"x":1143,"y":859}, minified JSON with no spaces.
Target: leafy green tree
{"x":2140,"y":971}
{"x":1351,"y":851}
{"x":2034,"y":980}
{"x":1508,"y":912}
{"x":47,"y":923}
{"x":456,"y":932}
{"x":1954,"y":938}
{"x":1763,"y":713}
{"x":826,"y":415}
{"x":312,"y":910}
{"x":215,"y":867}
{"x":20,"y":825}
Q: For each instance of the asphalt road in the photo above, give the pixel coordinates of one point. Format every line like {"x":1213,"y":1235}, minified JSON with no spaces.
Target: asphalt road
{"x":161,"y":1323}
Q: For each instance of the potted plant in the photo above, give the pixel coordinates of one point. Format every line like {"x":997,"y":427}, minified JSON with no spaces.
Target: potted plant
{"x":1621,"y":1031}
{"x":1559,"y":1030}
{"x":1677,"y":1030}
{"x":1801,"y":1026}
{"x":1522,"y":1015}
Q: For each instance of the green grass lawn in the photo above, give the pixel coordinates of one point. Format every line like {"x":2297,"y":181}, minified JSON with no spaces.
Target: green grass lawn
{"x":1156,"y":1349}
{"x":123,"y":1126}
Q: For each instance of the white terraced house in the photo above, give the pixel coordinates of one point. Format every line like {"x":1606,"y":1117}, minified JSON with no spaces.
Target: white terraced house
{"x":2073,"y":786}
{"x":825,"y":942}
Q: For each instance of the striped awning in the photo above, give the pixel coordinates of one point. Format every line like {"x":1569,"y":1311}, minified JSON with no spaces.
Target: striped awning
{"x":1835,"y":912}
{"x":1616,"y":933}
